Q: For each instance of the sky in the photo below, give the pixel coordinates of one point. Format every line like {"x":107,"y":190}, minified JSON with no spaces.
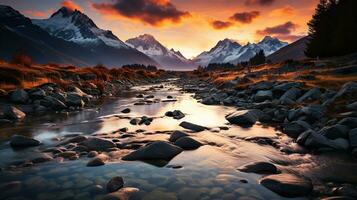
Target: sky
{"x":190,"y":26}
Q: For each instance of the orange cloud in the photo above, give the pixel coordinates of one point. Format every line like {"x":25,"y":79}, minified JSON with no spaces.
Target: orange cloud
{"x":281,"y":31}
{"x":281,"y":12}
{"x":152,"y":12}
{"x":219,"y":25}
{"x":38,"y":13}
{"x":71,"y":5}
{"x":245,"y":17}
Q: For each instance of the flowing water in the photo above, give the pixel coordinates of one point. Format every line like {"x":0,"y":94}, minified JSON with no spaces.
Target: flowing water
{"x":209,"y":172}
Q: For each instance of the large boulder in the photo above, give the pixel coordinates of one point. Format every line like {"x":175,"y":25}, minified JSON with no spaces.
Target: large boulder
{"x":115,"y":184}
{"x":351,"y":122}
{"x":23,"y":141}
{"x":263,"y":95}
{"x":287,"y":185}
{"x":12,"y":112}
{"x":177,"y":135}
{"x":259,"y":168}
{"x":242,"y":117}
{"x":316,"y":141}
{"x":335,"y":131}
{"x":291,"y":94}
{"x":98,"y":144}
{"x":53,"y":103}
{"x":312,"y":94}
{"x":74,"y":99}
{"x":283,"y":87}
{"x":154,"y":151}
{"x":187,"y":143}
{"x":347,"y":91}
{"x":19,"y":96}
{"x":37,"y":93}
{"x":294,"y":129}
{"x":191,"y":126}
{"x":353,"y":138}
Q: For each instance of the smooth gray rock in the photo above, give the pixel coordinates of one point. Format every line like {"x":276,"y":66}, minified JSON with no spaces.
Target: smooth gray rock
{"x":187,"y":143}
{"x":74,"y":99}
{"x":263,"y":95}
{"x":53,"y":103}
{"x":287,"y":86}
{"x":294,"y":129}
{"x":154,"y":151}
{"x":259,"y":168}
{"x":287,"y":185}
{"x":351,"y":122}
{"x":19,"y":96}
{"x":12,"y":112}
{"x":98,"y":144}
{"x":115,"y":184}
{"x":353,"y":138}
{"x":312,"y":94}
{"x":126,"y":110}
{"x":23,"y":141}
{"x":242,"y":117}
{"x":291,"y":94}
{"x":94,"y":162}
{"x":347,"y":91}
{"x":335,"y":131}
{"x":191,"y":126}
{"x":42,"y":157}
{"x":176,"y":135}
{"x":352,"y":106}
{"x":37,"y":93}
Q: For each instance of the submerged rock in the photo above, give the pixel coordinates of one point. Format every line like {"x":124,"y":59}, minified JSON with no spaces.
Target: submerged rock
{"x":191,"y":126}
{"x":122,"y":194}
{"x":126,"y":110}
{"x":242,"y":117}
{"x":23,"y":141}
{"x":187,"y":143}
{"x":154,"y":151}
{"x":12,"y":112}
{"x":259,"y":168}
{"x":115,"y":184}
{"x":98,"y":144}
{"x":287,"y":185}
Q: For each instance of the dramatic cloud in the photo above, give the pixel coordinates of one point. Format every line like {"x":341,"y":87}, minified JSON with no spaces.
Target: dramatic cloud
{"x":259,"y":2}
{"x":153,"y":12}
{"x":282,"y":29}
{"x":281,"y":12}
{"x":71,"y":5}
{"x":38,"y":13}
{"x":245,"y":17}
{"x":221,"y":24}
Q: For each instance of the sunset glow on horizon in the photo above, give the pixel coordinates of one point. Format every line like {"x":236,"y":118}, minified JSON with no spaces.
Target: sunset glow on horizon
{"x":190,"y":26}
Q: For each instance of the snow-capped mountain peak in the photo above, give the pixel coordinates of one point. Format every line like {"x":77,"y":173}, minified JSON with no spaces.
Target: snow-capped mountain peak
{"x":75,"y":26}
{"x":230,"y":51}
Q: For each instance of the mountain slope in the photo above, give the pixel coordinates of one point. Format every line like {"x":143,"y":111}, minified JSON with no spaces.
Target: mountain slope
{"x":170,"y":59}
{"x":229,"y":51}
{"x":18,"y":33}
{"x":293,"y":51}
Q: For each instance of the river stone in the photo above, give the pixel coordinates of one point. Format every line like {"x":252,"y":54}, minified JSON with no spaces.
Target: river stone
{"x":19,"y":96}
{"x":92,"y":154}
{"x":177,"y":114}
{"x":67,"y":154}
{"x":303,"y":136}
{"x":312,"y":94}
{"x":294,"y":129}
{"x":352,"y":106}
{"x":126,"y":110}
{"x":42,"y":157}
{"x":263,"y":95}
{"x":53,"y":103}
{"x":97,"y":161}
{"x":351,"y":122}
{"x":154,"y":151}
{"x":353,"y":138}
{"x":12,"y":112}
{"x":98,"y":144}
{"x":115,"y":184}
{"x":187,"y":143}
{"x":335,"y":131}
{"x":176,"y":135}
{"x":242,"y":117}
{"x":291,"y":94}
{"x":288,"y":85}
{"x":259,"y":168}
{"x":191,"y":126}
{"x":37,"y":93}
{"x":74,"y":99}
{"x":347,"y":91}
{"x":134,"y":121}
{"x":23,"y":141}
{"x":122,"y":194}
{"x":287,"y":185}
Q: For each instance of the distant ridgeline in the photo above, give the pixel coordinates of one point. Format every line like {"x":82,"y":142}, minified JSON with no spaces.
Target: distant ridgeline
{"x":333,"y":29}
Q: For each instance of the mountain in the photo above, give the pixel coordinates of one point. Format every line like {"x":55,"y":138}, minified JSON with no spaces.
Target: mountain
{"x":19,"y":34}
{"x":230,"y":51}
{"x":170,"y":59}
{"x":293,"y":51}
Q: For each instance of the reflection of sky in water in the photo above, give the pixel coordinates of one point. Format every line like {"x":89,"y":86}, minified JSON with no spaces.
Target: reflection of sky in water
{"x":207,"y":173}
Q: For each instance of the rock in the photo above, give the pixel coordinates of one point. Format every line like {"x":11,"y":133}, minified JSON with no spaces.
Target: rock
{"x":53,"y":103}
{"x":115,"y":184}
{"x":338,"y":198}
{"x":126,"y":110}
{"x":187,"y":143}
{"x":291,"y":94}
{"x":74,"y":99}
{"x":191,"y":126}
{"x":154,"y":151}
{"x":94,"y":162}
{"x":335,"y":131}
{"x":242,"y":117}
{"x":3,"y":93}
{"x":287,"y":86}
{"x":19,"y":96}
{"x":42,"y":157}
{"x":313,"y":112}
{"x":134,"y":121}
{"x":23,"y":141}
{"x":263,"y":85}
{"x":67,"y":154}
{"x":352,"y":106}
{"x":294,"y":129}
{"x":92,"y":154}
{"x":10,"y":188}
{"x":303,"y":136}
{"x":98,"y":144}
{"x":312,"y":94}
{"x":140,"y":96}
{"x":347,"y":91}
{"x":259,"y":168}
{"x":178,"y":114}
{"x":351,"y":122}
{"x":287,"y":185}
{"x":12,"y":112}
{"x":169,"y":97}
{"x":176,"y":135}
{"x":60,"y":96}
{"x":122,"y":194}
{"x":78,"y":91}
{"x":353,"y":138}
{"x":263,"y":95}
{"x":37,"y":93}
{"x":209,"y":101}
{"x":314,"y":140}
